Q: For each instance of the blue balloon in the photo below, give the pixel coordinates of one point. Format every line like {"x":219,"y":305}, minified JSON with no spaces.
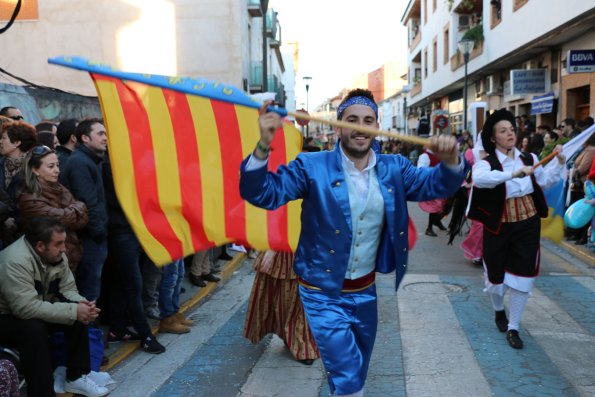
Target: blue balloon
{"x":579,"y":214}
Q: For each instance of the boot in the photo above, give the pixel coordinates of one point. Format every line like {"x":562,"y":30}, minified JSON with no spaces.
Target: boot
{"x":181,"y":319}
{"x":169,"y":325}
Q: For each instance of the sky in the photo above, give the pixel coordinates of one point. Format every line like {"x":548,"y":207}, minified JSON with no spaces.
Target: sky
{"x":339,"y":40}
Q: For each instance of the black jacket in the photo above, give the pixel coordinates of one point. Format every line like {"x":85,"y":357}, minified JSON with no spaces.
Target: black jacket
{"x":82,"y":175}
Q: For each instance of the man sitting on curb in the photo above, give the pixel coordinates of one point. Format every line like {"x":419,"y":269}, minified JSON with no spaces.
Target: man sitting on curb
{"x":38,"y":296}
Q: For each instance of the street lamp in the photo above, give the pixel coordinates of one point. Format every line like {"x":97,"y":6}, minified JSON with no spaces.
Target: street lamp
{"x":307,"y":80}
{"x":465,"y":46}
{"x":405,"y":90}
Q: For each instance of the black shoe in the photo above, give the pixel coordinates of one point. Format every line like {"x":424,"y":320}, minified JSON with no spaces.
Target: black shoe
{"x":307,"y":361}
{"x":440,"y":226}
{"x":197,"y":280}
{"x":430,"y":232}
{"x":150,"y":345}
{"x":210,"y":277}
{"x":501,"y":321}
{"x":514,"y":340}
{"x":225,"y":256}
{"x":478,"y":262}
{"x":580,"y":241}
{"x":126,"y":336}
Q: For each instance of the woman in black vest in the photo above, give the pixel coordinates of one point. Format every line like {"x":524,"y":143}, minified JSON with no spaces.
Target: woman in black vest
{"x":508,"y":200}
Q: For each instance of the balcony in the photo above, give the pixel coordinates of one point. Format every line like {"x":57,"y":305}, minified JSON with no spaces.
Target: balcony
{"x":254,"y":8}
{"x":275,"y":42}
{"x":255,"y":77}
{"x":457,"y":60}
{"x":272,"y":23}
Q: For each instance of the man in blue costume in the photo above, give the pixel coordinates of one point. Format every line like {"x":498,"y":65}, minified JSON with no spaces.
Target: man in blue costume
{"x":354,"y":223}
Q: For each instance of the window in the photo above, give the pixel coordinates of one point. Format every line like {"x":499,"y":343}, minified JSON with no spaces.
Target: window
{"x":435,"y":54}
{"x":426,"y":63}
{"x":433,"y":5}
{"x":518,"y":4}
{"x":446,"y":46}
{"x":496,"y":13}
{"x":425,"y":10}
{"x":29,"y":10}
{"x":554,"y":66}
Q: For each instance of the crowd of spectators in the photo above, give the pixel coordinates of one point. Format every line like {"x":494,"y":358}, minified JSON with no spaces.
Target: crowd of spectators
{"x":70,"y":260}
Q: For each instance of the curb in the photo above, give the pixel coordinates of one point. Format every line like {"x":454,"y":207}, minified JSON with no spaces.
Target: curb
{"x":581,"y":253}
{"x":128,"y":348}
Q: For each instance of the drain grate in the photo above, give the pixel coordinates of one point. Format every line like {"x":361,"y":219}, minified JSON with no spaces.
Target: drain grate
{"x":431,"y":287}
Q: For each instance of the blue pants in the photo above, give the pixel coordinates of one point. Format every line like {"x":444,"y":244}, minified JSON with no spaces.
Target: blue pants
{"x":171,"y":285}
{"x":88,"y":272}
{"x":344,"y":328}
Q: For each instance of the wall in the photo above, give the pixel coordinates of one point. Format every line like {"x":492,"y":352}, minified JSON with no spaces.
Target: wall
{"x":206,"y":38}
{"x":39,"y":104}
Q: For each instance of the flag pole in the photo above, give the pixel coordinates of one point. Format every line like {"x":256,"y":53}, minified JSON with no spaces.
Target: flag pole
{"x":547,"y":158}
{"x":342,"y":124}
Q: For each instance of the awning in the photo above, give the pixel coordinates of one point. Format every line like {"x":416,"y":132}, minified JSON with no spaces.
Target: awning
{"x":542,"y":103}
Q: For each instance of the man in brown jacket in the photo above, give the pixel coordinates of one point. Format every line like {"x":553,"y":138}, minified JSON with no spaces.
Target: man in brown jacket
{"x":38,"y":296}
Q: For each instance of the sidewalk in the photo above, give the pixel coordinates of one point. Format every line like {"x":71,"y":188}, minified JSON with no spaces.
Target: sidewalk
{"x":192,"y":296}
{"x":581,"y":252}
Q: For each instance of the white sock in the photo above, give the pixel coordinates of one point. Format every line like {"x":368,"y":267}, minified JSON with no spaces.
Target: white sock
{"x":497,"y":301}
{"x":517,"y":302}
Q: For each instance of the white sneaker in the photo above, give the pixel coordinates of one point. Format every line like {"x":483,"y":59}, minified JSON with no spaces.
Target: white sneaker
{"x":85,"y":386}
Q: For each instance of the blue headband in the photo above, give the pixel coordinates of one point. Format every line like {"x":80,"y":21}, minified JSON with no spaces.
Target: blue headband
{"x":356,"y":100}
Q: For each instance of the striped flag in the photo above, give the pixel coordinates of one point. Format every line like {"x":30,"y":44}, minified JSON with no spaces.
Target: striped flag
{"x":175,"y":146}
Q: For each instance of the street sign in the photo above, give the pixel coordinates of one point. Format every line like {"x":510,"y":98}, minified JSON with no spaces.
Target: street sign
{"x":301,"y":121}
{"x":580,"y":61}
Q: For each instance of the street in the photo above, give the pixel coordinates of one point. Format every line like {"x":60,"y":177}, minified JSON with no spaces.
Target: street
{"x":436,"y":338}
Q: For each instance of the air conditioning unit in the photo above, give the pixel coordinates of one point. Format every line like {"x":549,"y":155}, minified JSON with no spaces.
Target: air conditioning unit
{"x":464,"y":22}
{"x":493,"y":86}
{"x":480,"y":87}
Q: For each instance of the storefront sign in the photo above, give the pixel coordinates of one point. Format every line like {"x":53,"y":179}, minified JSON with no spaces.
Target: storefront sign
{"x":580,"y":61}
{"x":528,"y":81}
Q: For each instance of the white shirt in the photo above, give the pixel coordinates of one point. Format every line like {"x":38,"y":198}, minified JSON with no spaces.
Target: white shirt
{"x":360,"y":179}
{"x":485,"y":178}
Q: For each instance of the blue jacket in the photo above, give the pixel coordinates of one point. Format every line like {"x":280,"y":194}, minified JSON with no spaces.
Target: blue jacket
{"x":323,"y":250}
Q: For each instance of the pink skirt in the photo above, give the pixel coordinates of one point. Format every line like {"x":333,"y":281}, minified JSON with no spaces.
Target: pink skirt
{"x":473,"y":245}
{"x":433,"y":206}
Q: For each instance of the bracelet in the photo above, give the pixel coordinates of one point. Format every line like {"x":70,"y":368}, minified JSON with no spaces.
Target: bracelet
{"x":263,"y":149}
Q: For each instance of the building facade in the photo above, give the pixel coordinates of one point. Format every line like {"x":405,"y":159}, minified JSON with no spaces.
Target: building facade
{"x":219,"y":40}
{"x":518,"y":60}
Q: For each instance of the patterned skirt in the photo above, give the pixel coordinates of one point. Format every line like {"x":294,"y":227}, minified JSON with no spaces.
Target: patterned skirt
{"x":275,"y":307}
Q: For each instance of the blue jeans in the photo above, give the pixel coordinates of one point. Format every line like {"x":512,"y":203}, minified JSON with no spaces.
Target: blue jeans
{"x":126,"y":291}
{"x":171,"y":285}
{"x":88,"y":272}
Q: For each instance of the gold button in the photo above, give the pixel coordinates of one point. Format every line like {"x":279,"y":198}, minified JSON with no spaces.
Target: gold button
{"x":404,"y":249}
{"x":328,"y":270}
{"x":402,"y":233}
{"x":390,"y":190}
{"x":331,"y":251}
{"x":338,"y":184}
{"x":404,"y":265}
{"x":337,"y":231}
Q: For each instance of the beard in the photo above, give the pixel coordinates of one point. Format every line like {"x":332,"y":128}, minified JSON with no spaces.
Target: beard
{"x":355,"y":151}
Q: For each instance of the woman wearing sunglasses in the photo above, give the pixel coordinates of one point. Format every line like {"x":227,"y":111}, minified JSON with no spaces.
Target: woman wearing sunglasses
{"x":44,"y":195}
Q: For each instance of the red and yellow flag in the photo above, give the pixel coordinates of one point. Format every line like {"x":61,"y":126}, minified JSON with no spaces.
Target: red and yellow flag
{"x":176,"y":157}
